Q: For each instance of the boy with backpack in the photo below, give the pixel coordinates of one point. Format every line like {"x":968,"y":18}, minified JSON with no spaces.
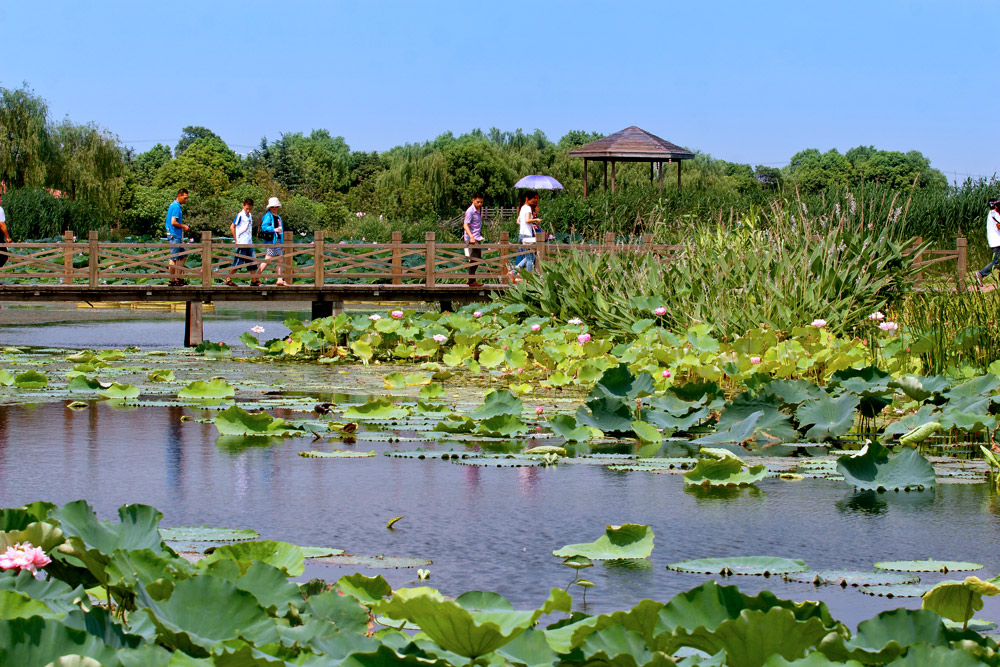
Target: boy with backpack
{"x":241,"y":229}
{"x":992,"y":239}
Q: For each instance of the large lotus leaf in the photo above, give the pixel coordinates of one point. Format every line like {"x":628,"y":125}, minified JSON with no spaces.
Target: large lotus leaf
{"x":926,"y":414}
{"x":6,"y":379}
{"x":970,"y":422}
{"x":610,"y":415}
{"x":976,"y":388}
{"x":619,"y":647}
{"x":205,"y":533}
{"x":773,"y":422}
{"x":34,"y":642}
{"x":618,"y":543}
{"x":503,"y":426}
{"x":747,"y":565}
{"x":565,"y":426}
{"x":754,"y":636}
{"x":956,"y":600}
{"x":161,"y":375}
{"x":924,"y":655}
{"x":40,"y":533}
{"x":708,"y":392}
{"x":156,"y":571}
{"x":456,"y":629}
{"x":643,"y":619}
{"x":728,"y":471}
{"x":874,"y":468}
{"x":201,"y":390}
{"x":831,"y":417}
{"x":498,"y":402}
{"x":368,"y":590}
{"x":99,"y":622}
{"x":737,"y":433}
{"x":675,"y":405}
{"x":881,"y":639}
{"x":286,"y":557}
{"x":920,"y":388}
{"x":847,"y":578}
{"x":20,"y":605}
{"x":490,"y":357}
{"x":384,"y":656}
{"x":530,"y":649}
{"x":205,"y":611}
{"x":456,"y":424}
{"x":274,"y":592}
{"x":234,"y":420}
{"x":55,"y":594}
{"x":119,"y":391}
{"x":671,"y":423}
{"x":343,"y":611}
{"x":379,"y":408}
{"x":30,"y":380}
{"x":859,"y":380}
{"x":84,"y":383}
{"x":618,"y":382}
{"x":794,"y":392}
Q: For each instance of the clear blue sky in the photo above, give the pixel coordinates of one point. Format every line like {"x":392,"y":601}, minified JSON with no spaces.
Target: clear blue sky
{"x":744,"y":81}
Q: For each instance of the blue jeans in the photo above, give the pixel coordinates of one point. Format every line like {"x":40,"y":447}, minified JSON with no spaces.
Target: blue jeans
{"x":525,"y":258}
{"x":985,"y":271}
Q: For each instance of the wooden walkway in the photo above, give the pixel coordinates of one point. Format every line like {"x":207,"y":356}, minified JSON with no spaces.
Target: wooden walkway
{"x":325,"y":273}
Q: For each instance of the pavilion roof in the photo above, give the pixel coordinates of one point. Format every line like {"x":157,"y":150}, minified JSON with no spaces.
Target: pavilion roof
{"x":632,"y":143}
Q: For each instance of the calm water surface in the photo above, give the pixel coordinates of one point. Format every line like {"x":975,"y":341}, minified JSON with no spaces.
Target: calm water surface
{"x":484,"y":528}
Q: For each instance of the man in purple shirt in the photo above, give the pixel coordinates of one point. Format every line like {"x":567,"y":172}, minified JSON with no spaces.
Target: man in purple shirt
{"x":473,"y":227}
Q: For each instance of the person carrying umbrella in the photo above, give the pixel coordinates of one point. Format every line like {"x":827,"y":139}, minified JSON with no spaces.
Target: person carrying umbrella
{"x":528,"y":228}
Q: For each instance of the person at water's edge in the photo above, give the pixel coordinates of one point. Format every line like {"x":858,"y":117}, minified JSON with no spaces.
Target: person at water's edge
{"x":6,"y":235}
{"x":241,"y":229}
{"x":473,"y":226}
{"x":272,"y":232}
{"x":175,"y":235}
{"x":993,"y":239}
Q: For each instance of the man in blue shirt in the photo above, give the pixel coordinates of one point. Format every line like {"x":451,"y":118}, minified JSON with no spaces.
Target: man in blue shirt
{"x":175,"y":234}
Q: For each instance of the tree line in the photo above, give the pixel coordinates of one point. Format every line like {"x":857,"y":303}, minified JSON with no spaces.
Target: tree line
{"x":103,"y":184}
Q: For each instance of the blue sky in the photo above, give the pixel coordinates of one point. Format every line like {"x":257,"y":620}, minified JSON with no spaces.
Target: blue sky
{"x":744,"y":81}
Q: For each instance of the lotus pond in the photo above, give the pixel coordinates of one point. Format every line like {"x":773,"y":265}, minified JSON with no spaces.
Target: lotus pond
{"x":505,"y":456}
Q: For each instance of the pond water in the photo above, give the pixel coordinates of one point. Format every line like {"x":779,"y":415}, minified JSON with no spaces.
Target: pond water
{"x":484,"y":527}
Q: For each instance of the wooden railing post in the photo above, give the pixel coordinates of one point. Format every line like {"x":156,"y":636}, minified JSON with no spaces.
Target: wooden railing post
{"x":68,"y":258}
{"x":206,"y":259}
{"x":319,"y":258}
{"x":962,"y":258}
{"x":397,"y":258}
{"x":504,"y":271}
{"x":539,"y":247}
{"x":286,"y":257}
{"x":609,"y":241}
{"x":429,"y":259}
{"x":94,"y":258}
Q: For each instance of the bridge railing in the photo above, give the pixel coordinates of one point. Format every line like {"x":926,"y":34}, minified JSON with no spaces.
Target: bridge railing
{"x":321,"y":262}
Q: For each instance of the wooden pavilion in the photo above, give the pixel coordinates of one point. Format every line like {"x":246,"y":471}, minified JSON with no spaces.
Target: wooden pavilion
{"x":633,"y":144}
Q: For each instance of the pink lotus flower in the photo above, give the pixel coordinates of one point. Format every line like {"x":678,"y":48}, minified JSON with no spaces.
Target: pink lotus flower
{"x":888,"y":326}
{"x":536,"y":327}
{"x":754,"y":360}
{"x":477,"y":314}
{"x":257,"y":329}
{"x":504,"y":346}
{"x":818,"y":323}
{"x":877,"y":316}
{"x":660,"y":310}
{"x":539,"y":409}
{"x":396,"y":314}
{"x":576,"y":320}
{"x":24,"y":556}
{"x":440,"y":338}
{"x":583,"y":338}
{"x":374,"y":317}
{"x":665,"y":374}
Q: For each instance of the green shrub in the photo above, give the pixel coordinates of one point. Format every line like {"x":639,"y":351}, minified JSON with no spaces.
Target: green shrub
{"x":33,"y":213}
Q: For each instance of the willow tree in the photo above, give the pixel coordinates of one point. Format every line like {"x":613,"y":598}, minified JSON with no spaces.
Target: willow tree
{"x":24,"y":141}
{"x":87,"y":164}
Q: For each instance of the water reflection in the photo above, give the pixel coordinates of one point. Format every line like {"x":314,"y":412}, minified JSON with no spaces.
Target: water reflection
{"x":712,"y":493}
{"x":873,"y":503}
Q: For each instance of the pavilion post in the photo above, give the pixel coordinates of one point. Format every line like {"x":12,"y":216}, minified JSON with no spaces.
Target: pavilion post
{"x":660,"y":171}
{"x":613,"y":164}
{"x":584,"y":178}
{"x":605,"y":163}
{"x":678,"y":174}
{"x":651,"y":172}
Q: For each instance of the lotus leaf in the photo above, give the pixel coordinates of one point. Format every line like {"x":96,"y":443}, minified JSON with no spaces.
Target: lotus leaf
{"x":459,"y":630}
{"x":852,"y":578}
{"x":38,"y":641}
{"x":30,"y":380}
{"x":379,"y":408}
{"x":201,"y":390}
{"x":6,"y":379}
{"x":728,"y":471}
{"x":831,"y":417}
{"x":530,"y":649}
{"x":874,"y":468}
{"x":745,"y":565}
{"x":619,"y":382}
{"x":320,"y":552}
{"x":919,"y":434}
{"x":794,"y":392}
{"x":609,"y":415}
{"x":503,"y":426}
{"x":368,"y":590}
{"x":234,"y":420}
{"x":647,"y":432}
{"x":119,"y":391}
{"x":19,"y":605}
{"x":456,"y":424}
{"x":207,"y":534}
{"x":618,"y":646}
{"x":286,"y":557}
{"x":754,"y":636}
{"x":623,"y":542}
{"x":565,"y":427}
{"x":379,"y":562}
{"x":203,"y":612}
{"x":84,"y":383}
{"x":251,"y":342}
{"x":158,"y":572}
{"x":337,"y":454}
{"x":498,"y":402}
{"x":490,"y":357}
{"x":739,"y":432}
{"x":881,"y":639}
{"x":958,"y":600}
{"x":547,"y":449}
{"x":431,"y":391}
{"x":896,"y":591}
{"x":773,"y":422}
{"x":53,"y":594}
{"x":923,"y":655}
{"x":926,"y":414}
{"x":920,"y":388}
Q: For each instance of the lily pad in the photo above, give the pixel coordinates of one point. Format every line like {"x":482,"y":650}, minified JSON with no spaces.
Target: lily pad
{"x":845,"y":578}
{"x":928,"y":565}
{"x":379,"y":408}
{"x":628,"y":541}
{"x":30,"y":380}
{"x":119,"y":391}
{"x":237,"y":421}
{"x":207,"y":534}
{"x":875,"y":468}
{"x":901,"y":591}
{"x":742,"y":565}
{"x":337,"y":454}
{"x":320,"y":552}
{"x":378,"y":562}
{"x":727,"y":471}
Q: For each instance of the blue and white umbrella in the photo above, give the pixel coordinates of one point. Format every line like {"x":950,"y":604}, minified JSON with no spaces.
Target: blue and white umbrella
{"x":539,"y":182}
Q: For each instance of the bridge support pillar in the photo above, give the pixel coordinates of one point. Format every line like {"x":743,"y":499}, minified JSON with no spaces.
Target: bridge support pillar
{"x":326,"y":309}
{"x":194,"y":332}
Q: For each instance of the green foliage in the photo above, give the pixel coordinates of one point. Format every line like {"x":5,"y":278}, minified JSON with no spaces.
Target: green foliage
{"x":207,"y":166}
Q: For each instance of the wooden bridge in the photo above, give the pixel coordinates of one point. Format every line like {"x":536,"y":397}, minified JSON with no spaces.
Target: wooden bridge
{"x":325,"y":273}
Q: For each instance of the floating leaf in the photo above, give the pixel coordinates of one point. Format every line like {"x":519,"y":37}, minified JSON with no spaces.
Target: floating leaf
{"x":618,"y":543}
{"x":928,"y":565}
{"x":84,"y":383}
{"x":379,"y":408}
{"x":119,"y":391}
{"x":547,"y":449}
{"x":565,"y":426}
{"x":337,"y":454}
{"x":201,"y":390}
{"x":727,"y":471}
{"x":286,"y":557}
{"x":320,"y":552}
{"x":379,"y":562}
{"x":6,"y":379}
{"x":744,"y":565}
{"x":896,"y":591}
{"x":161,"y":375}
{"x":207,"y":534}
{"x":30,"y":380}
{"x":498,"y":402}
{"x":237,"y":421}
{"x":846,"y":578}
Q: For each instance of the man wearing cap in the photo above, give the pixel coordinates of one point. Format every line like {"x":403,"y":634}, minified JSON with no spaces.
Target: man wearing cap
{"x":273,"y":234}
{"x":993,"y":239}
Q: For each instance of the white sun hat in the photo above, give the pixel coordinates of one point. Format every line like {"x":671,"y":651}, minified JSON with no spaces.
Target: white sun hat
{"x":273,"y":203}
